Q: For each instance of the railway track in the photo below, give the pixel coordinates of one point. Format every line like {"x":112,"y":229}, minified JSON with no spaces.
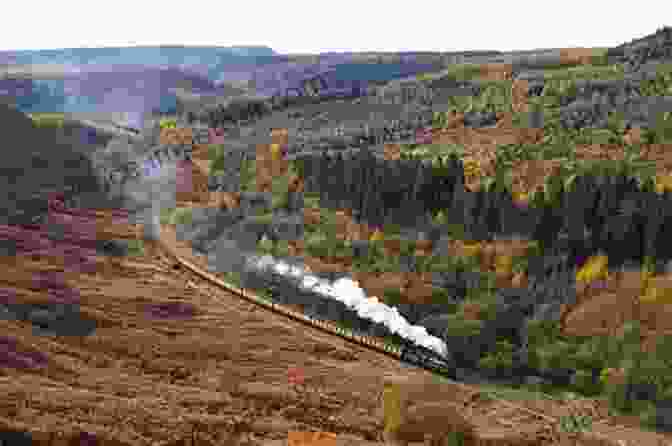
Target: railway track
{"x":411,"y":354}
{"x":505,"y":411}
{"x":508,"y":414}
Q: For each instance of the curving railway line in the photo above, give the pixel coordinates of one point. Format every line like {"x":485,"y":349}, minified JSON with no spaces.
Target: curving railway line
{"x":503,"y":411}
{"x":411,"y":354}
{"x":408,"y":353}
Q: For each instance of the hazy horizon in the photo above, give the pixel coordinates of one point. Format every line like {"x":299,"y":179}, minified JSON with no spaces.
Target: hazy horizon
{"x":303,"y":27}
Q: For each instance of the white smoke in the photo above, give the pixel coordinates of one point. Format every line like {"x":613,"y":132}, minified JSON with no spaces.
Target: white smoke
{"x":348,"y":292}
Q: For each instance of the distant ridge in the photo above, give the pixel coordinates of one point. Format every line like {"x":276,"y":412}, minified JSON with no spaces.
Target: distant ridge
{"x":164,"y":54}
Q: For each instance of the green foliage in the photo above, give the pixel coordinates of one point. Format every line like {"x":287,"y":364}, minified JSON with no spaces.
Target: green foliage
{"x":599,"y":60}
{"x":232,"y":277}
{"x":549,"y":356}
{"x":433,"y":263}
{"x":617,"y":126}
{"x":629,"y":340}
{"x":441,"y":265}
{"x":509,"y":155}
{"x":280,"y":248}
{"x":423,"y":77}
{"x":135,"y":247}
{"x":661,"y":84}
{"x":48,"y":120}
{"x":632,"y":166}
{"x":443,"y":296}
{"x":520,"y":264}
{"x":456,"y":231}
{"x":182,"y":216}
{"x":582,"y":382}
{"x":542,"y":332}
{"x":391,"y":229}
{"x":661,"y":133}
{"x":167,"y":123}
{"x":264,"y":294}
{"x":587,"y":356}
{"x":393,"y":296}
{"x":407,"y":247}
{"x":341,"y":248}
{"x":618,"y":399}
{"x":554,"y":90}
{"x":600,"y":69}
{"x":280,"y":192}
{"x":248,"y":176}
{"x":460,"y":327}
{"x":456,"y":438}
{"x":175,"y":216}
{"x":315,"y":244}
{"x":500,"y":358}
{"x":484,"y":293}
{"x":217,"y":159}
{"x":435,"y":152}
{"x":664,"y":349}
{"x":439,"y":120}
{"x":463,"y":72}
{"x":440,"y":218}
{"x":575,"y":423}
{"x":647,"y":416}
{"x":494,"y":97}
{"x":311,"y":200}
{"x":165,"y":215}
{"x":651,"y":370}
{"x":380,"y":263}
{"x":266,"y":245}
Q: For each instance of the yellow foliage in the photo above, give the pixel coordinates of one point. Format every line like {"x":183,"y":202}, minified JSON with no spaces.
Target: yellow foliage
{"x":595,"y":268}
{"x":167,"y":123}
{"x":392,"y":407}
{"x":663,"y":183}
{"x":503,"y":264}
{"x":520,"y":196}
{"x":471,"y":168}
{"x":276,"y":151}
{"x":656,"y":295}
{"x":472,"y":249}
{"x":605,"y":374}
{"x":376,"y":236}
{"x":646,"y":278}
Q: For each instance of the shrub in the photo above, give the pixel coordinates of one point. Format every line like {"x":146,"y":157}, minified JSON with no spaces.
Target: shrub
{"x":595,"y":268}
{"x":181,"y":216}
{"x":656,"y":294}
{"x":166,"y":123}
{"x":458,"y":326}
{"x":587,"y":356}
{"x":661,"y":133}
{"x":575,"y":423}
{"x":135,"y":247}
{"x":582,"y":381}
{"x":500,"y":358}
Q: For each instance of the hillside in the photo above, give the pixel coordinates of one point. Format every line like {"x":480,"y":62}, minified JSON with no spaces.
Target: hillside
{"x":115,"y":308}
